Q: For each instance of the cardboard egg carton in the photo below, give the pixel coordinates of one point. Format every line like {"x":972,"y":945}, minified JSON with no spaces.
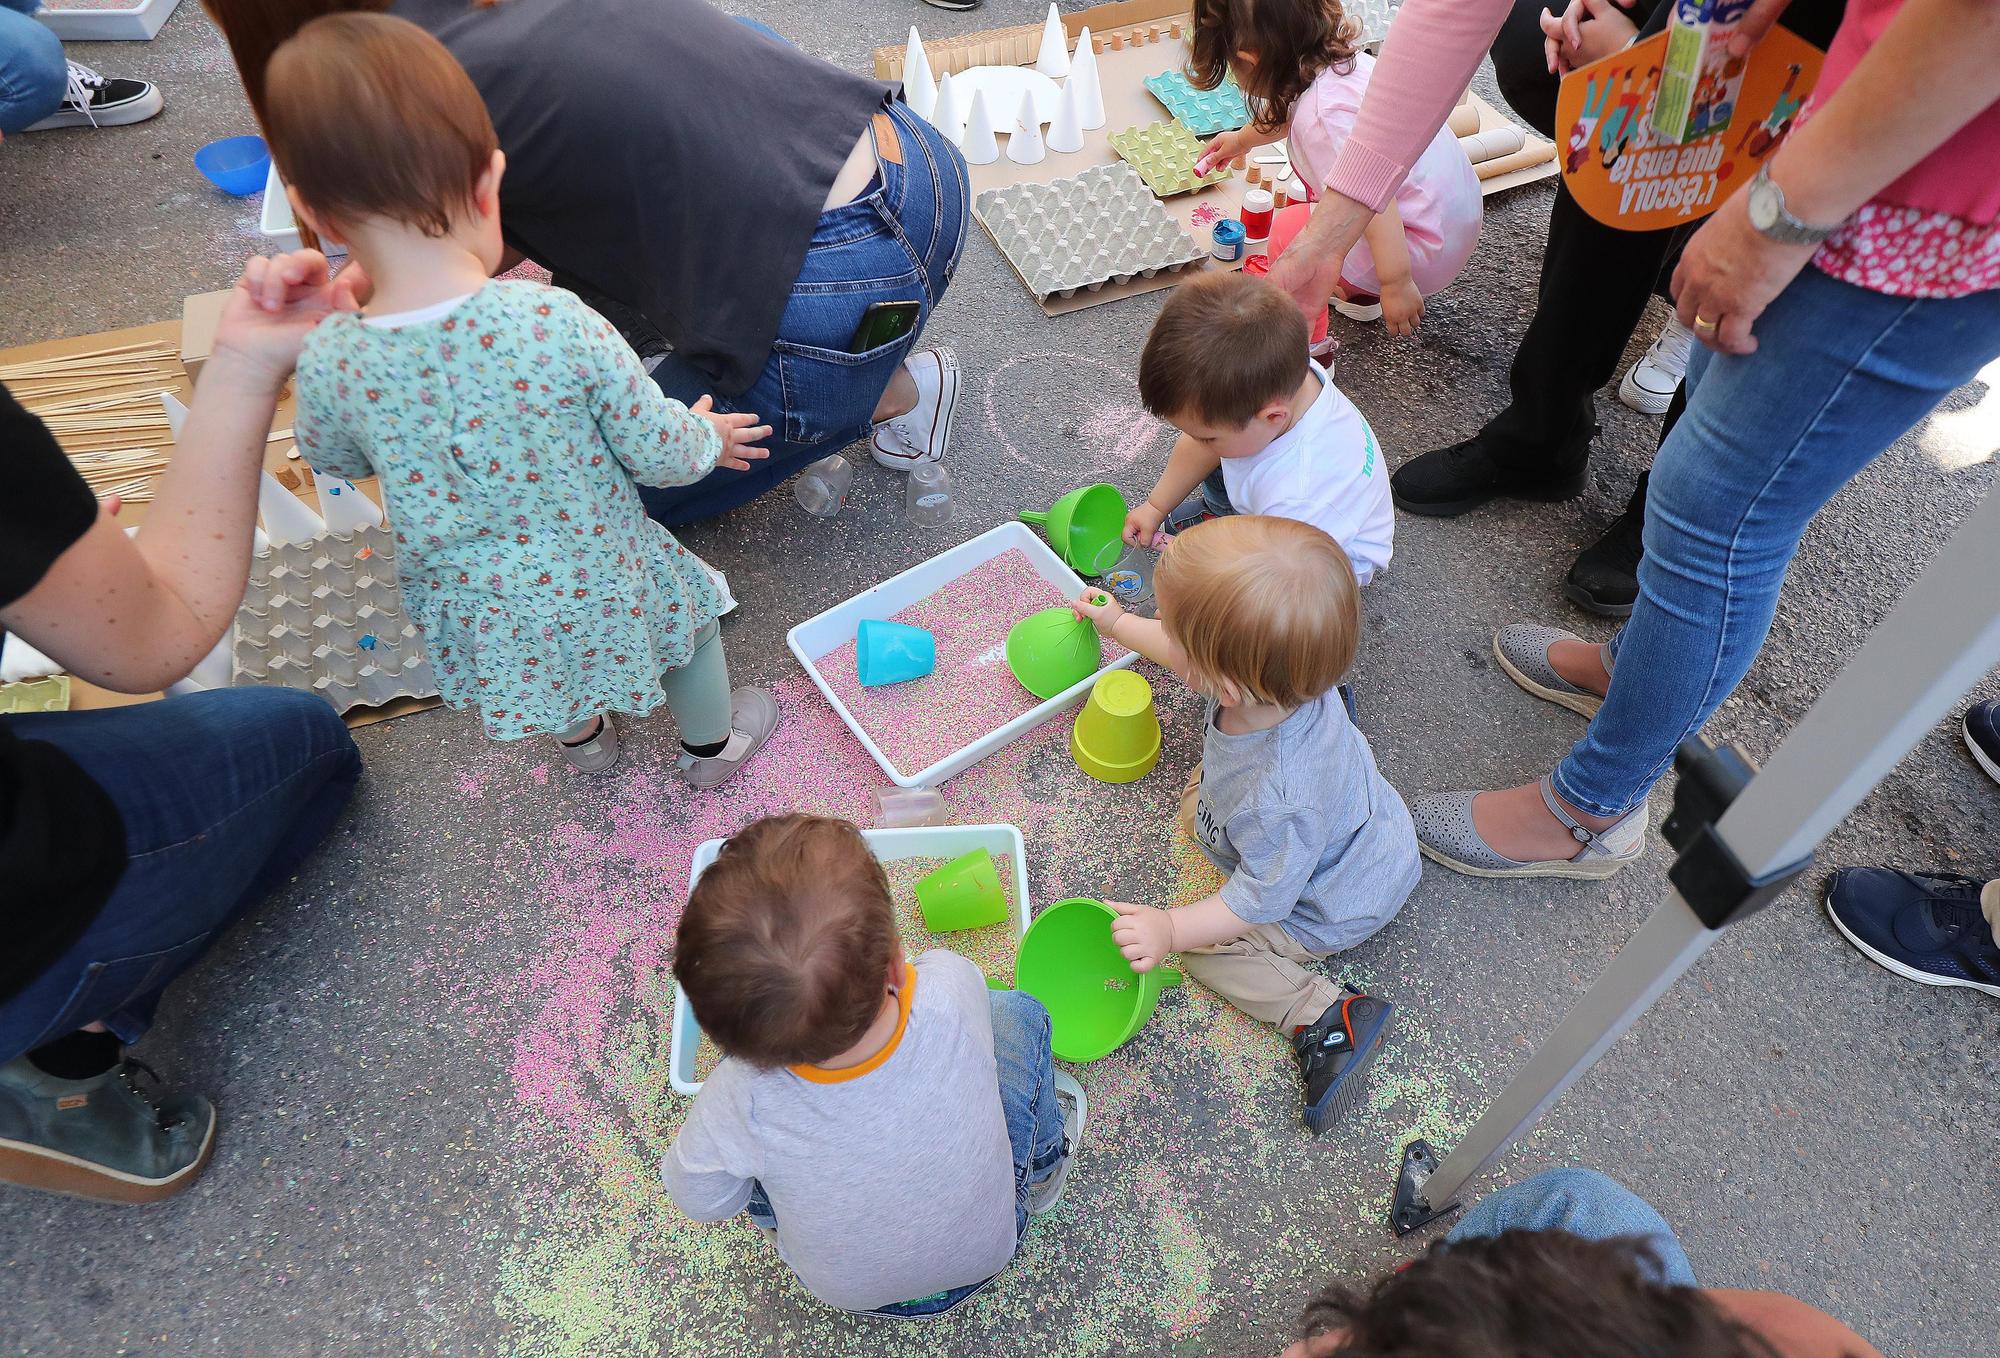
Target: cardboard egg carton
{"x":1078,"y":234}
{"x":1164,"y":155}
{"x":1202,"y":112}
{"x":327,"y":615}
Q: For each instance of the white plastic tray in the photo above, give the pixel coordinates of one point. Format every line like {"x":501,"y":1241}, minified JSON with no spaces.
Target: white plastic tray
{"x":275,"y":221}
{"x":816,"y":637}
{"x":924,"y":841}
{"x":138,"y":22}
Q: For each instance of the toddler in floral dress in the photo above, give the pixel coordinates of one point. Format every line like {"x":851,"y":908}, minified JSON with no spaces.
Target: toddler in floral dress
{"x":506,"y":421}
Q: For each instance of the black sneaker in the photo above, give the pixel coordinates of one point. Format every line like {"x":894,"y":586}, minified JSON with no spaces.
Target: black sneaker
{"x":93,"y":100}
{"x":1446,"y":482}
{"x":1605,"y":576}
{"x":1982,"y":736}
{"x":1335,"y":1054}
{"x":1926,"y":926}
{"x":99,"y":1137}
{"x":953,"y":4}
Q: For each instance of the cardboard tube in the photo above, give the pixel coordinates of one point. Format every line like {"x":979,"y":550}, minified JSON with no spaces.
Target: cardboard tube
{"x":1493,"y":143}
{"x":1464,"y":121}
{"x":1520,"y":160}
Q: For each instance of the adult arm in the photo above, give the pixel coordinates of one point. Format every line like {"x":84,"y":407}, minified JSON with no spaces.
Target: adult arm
{"x":1432,"y":50}
{"x":134,"y":614}
{"x":1867,"y":134}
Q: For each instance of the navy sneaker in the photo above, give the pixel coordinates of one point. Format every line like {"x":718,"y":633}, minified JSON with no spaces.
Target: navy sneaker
{"x":1335,"y":1054}
{"x":1923,"y":925}
{"x":1982,"y":736}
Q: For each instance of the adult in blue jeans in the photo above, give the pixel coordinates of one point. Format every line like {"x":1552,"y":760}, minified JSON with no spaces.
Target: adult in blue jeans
{"x":39,"y":90}
{"x":1567,"y":1264}
{"x":1842,"y":294}
{"x":131,"y":837}
{"x":784,"y":227}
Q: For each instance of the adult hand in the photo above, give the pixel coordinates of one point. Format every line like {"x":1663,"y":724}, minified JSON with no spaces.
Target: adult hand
{"x":738,"y":433}
{"x":276,"y":302}
{"x":1402,"y":306}
{"x":1728,"y":274}
{"x":1144,"y":933}
{"x":1587,"y":31}
{"x":1755,"y":23}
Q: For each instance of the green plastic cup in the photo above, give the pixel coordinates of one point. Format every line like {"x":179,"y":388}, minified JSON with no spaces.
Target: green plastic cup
{"x":1052,"y":650}
{"x":1096,"y":1002}
{"x":1116,"y":738}
{"x":1086,"y":527}
{"x":963,"y":894}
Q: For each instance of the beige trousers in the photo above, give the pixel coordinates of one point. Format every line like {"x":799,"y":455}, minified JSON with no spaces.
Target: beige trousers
{"x":1264,"y":972}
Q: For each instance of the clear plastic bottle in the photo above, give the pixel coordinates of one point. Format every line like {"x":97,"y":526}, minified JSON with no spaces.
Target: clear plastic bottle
{"x":822,"y":487}
{"x":928,"y":497}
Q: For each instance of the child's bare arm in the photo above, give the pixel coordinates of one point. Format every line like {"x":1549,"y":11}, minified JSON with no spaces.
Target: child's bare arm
{"x":1146,"y":934}
{"x":1144,"y":635}
{"x":1187,"y":467}
{"x":1402,"y":304}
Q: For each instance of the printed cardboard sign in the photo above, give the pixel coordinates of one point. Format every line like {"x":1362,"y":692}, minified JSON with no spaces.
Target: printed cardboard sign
{"x":1623,"y":172}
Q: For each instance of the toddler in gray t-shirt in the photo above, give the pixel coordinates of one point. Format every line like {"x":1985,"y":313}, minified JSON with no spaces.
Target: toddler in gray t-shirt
{"x":1262,"y":615}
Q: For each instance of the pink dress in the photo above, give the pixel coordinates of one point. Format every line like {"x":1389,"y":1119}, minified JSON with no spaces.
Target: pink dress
{"x":1439,"y":201}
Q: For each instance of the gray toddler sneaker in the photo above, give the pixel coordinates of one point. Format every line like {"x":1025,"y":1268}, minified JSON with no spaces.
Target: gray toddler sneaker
{"x":598,"y":753}
{"x":1446,"y":835}
{"x":753,"y":715}
{"x":1523,"y":652}
{"x":1046,"y":1196}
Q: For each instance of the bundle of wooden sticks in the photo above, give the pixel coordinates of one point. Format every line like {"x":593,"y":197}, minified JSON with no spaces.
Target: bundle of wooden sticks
{"x":104,"y":409}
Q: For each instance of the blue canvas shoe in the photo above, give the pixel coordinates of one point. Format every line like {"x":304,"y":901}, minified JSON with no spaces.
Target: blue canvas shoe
{"x":1982,"y":736}
{"x":1926,"y":926}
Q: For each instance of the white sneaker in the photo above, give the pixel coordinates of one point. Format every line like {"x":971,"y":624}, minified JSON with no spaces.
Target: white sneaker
{"x":1650,"y":383}
{"x":1358,"y":311}
{"x":1047,"y":1195}
{"x":92,"y":100}
{"x":924,"y":433}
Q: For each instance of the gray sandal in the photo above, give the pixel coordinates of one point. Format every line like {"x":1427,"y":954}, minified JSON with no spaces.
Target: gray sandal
{"x":1523,"y":652}
{"x":1446,"y":835}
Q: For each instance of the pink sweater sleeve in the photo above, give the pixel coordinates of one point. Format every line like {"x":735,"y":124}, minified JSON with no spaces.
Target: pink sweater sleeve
{"x":1432,"y":50}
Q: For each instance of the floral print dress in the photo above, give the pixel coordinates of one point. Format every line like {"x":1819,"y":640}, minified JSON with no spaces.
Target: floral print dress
{"x":508,"y":435}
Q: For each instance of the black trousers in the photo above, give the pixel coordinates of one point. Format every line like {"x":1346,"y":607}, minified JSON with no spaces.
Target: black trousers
{"x":1595,"y":279}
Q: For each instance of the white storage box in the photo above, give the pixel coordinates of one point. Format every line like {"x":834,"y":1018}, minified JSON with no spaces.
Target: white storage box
{"x":275,"y":222}
{"x":924,"y":841}
{"x":819,"y":636}
{"x":136,"y":22}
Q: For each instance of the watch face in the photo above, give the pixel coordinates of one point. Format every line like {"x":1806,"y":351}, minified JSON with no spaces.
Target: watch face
{"x":1763,"y":206}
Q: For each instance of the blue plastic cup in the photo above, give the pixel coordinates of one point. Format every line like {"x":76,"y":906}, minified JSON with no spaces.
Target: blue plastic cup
{"x":892,"y":652}
{"x":236,"y":165}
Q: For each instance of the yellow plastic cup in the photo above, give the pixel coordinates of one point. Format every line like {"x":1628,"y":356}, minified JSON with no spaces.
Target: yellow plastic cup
{"x":1116,"y":738}
{"x":963,"y":894}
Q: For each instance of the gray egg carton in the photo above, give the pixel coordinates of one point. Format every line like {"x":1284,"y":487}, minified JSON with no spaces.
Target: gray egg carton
{"x":1078,"y":234}
{"x":327,"y":616}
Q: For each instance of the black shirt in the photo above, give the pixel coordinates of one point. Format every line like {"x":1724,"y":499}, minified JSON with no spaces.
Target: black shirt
{"x":661,"y":153}
{"x":62,"y":845}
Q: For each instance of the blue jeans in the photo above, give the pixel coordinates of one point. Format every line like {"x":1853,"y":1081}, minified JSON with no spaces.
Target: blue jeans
{"x":33,"y":74}
{"x":1584,"y":1203}
{"x":898,"y":242}
{"x":1034,"y":1127}
{"x":222,"y":794}
{"x":1839,"y":374}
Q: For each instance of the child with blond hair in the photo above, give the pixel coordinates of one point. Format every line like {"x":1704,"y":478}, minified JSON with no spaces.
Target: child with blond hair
{"x":1262,"y":616}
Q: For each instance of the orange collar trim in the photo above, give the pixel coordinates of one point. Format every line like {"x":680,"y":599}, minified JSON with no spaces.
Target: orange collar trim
{"x":820,"y":1075}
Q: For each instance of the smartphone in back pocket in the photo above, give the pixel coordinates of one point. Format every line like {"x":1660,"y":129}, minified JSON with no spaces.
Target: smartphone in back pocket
{"x":884,"y":323}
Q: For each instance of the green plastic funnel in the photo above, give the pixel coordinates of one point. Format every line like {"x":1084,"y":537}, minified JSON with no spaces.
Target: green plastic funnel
{"x":1096,"y":1002}
{"x":1085,"y":527}
{"x":1052,"y":650}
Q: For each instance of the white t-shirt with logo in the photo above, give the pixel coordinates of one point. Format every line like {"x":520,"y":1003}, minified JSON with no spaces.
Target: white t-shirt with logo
{"x":1327,"y":471}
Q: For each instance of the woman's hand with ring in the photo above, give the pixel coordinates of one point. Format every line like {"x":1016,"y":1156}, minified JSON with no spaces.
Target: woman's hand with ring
{"x":1728,"y":274}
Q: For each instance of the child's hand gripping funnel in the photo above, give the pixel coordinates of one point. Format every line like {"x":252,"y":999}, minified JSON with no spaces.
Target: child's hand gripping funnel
{"x":1085,"y":528}
{"x":1096,"y":1002}
{"x":892,"y":652}
{"x":1052,"y":650}
{"x":1116,"y":738}
{"x":963,"y":894}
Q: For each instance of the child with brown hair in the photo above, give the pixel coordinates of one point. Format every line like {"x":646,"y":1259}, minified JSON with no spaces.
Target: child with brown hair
{"x":890,"y":1125}
{"x":1263,"y":428}
{"x":1262,"y":616}
{"x":508,"y":423}
{"x":1301,"y":71}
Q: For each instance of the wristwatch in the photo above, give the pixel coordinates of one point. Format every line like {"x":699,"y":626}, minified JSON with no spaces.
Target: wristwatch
{"x":1771,"y":218}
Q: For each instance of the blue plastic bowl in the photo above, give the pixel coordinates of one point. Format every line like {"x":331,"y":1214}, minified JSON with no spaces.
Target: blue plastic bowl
{"x":236,"y":165}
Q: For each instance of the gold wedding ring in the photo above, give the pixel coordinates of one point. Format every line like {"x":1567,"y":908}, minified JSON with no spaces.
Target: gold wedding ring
{"x":1703,"y":323}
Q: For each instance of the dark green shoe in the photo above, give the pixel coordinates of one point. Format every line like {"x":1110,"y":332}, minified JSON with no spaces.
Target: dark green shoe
{"x":100,"y":1137}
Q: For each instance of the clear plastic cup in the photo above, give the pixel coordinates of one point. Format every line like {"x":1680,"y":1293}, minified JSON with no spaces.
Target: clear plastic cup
{"x":822,"y":487}
{"x":928,"y":497}
{"x":1131,"y":580}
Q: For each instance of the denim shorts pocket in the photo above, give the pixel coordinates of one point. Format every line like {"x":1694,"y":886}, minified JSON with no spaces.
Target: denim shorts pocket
{"x":105,"y":988}
{"x":828,"y":394}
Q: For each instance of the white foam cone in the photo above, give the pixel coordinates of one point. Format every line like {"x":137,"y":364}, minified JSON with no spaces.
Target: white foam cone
{"x":1053,"y":58}
{"x":213,"y":671}
{"x":344,"y":507}
{"x":177,"y":414}
{"x":1089,"y":94}
{"x":1024,"y":141}
{"x":948,"y":116}
{"x":919,"y":89}
{"x":981,"y":147}
{"x":286,"y":517}
{"x":1066,"y":128}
